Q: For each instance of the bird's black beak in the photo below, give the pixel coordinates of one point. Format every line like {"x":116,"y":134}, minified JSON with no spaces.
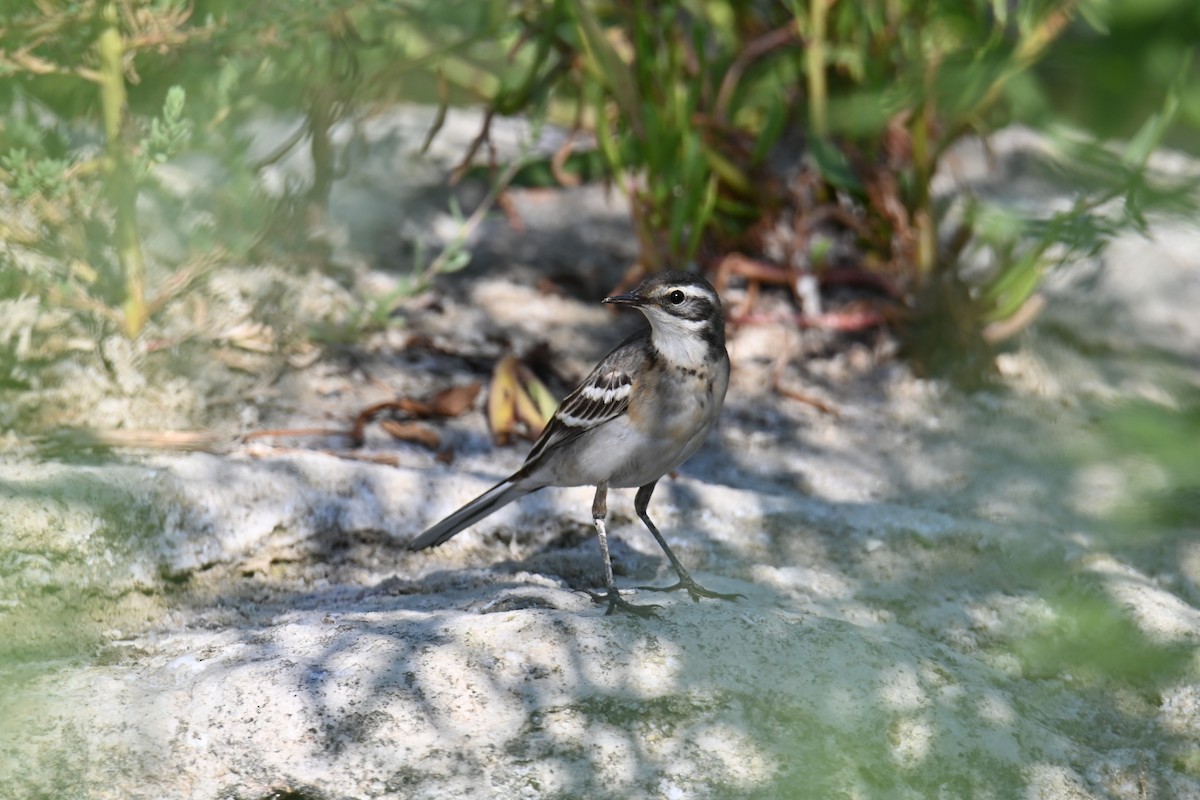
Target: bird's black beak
{"x":629,"y":299}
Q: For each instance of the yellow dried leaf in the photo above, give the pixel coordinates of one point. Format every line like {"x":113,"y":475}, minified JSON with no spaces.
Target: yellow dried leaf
{"x":501,"y":405}
{"x":542,"y":398}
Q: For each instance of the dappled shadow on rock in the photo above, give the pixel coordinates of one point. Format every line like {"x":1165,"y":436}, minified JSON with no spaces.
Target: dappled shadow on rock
{"x":377,"y":697}
{"x":937,"y":601}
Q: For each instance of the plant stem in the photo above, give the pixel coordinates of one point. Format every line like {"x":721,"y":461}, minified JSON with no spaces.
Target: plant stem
{"x":477,"y":216}
{"x":118,"y":172}
{"x":818,"y":110}
{"x":924,"y":163}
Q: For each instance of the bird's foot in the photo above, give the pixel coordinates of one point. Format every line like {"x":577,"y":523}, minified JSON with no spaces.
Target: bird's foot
{"x":615,"y":602}
{"x":694,"y":590}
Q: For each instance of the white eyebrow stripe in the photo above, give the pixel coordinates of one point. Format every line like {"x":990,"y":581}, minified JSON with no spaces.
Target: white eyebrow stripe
{"x":691,"y":291}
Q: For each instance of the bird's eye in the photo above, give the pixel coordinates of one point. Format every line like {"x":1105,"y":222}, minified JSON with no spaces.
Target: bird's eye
{"x":675,"y":297}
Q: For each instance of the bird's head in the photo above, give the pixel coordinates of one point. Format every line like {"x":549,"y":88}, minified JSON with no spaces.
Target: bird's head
{"x":684,"y":313}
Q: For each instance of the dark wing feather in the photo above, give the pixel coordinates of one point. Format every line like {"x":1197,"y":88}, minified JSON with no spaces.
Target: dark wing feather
{"x":602,"y":396}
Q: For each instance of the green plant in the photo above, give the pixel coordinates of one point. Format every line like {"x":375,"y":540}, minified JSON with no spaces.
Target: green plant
{"x":76,"y":237}
{"x":728,"y":122}
{"x":730,"y":125}
{"x":80,"y":212}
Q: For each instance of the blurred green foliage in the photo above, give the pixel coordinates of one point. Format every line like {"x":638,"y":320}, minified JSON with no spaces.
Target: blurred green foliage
{"x":719,"y":118}
{"x":1166,"y":491}
{"x":76,"y":228}
{"x":727,"y":122}
{"x":94,"y":98}
{"x":1109,"y":78}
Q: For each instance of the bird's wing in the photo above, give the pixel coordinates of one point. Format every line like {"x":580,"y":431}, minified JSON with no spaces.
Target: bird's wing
{"x":602,"y":396}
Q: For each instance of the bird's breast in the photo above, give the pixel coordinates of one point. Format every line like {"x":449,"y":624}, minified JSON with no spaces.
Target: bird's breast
{"x":676,"y":403}
{"x":669,"y":415}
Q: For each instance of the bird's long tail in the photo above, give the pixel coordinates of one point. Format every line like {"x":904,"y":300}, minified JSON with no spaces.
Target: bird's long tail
{"x":493,"y":499}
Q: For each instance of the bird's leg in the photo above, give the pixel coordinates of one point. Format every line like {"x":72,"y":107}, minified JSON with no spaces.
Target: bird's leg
{"x":695,"y":590}
{"x":611,"y":595}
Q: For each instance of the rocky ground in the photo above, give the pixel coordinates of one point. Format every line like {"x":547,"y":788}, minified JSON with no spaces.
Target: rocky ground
{"x":945,"y":595}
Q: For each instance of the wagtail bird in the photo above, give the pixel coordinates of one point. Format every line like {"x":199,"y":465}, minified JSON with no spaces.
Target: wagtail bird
{"x":644,"y":410}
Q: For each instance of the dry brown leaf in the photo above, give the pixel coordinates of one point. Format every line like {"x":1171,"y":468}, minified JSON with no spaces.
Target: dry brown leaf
{"x":456,"y":400}
{"x":416,"y":432}
{"x":807,"y":399}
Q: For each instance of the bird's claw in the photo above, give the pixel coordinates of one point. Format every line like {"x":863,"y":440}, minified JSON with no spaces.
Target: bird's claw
{"x":615,"y":602}
{"x":695,"y":590}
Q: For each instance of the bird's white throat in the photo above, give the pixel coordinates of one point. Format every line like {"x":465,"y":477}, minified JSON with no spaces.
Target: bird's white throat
{"x":679,"y":341}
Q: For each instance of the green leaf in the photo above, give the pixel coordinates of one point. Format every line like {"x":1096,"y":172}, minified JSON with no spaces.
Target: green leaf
{"x":606,"y":138}
{"x":1014,"y":285}
{"x":1150,"y":135}
{"x":459,"y":258}
{"x":170,"y":133}
{"x":729,"y":172}
{"x":703,"y":218}
{"x":833,"y":165}
{"x":607,"y":64}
